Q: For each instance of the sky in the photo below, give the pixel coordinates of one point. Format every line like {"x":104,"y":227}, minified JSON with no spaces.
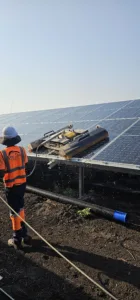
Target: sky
{"x":60,"y":53}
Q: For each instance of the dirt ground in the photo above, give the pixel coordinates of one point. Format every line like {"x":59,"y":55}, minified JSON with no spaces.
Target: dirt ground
{"x":106,"y":251}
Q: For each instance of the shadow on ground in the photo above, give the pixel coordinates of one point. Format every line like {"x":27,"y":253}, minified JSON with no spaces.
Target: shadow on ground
{"x":24,"y":279}
{"x":115,"y":269}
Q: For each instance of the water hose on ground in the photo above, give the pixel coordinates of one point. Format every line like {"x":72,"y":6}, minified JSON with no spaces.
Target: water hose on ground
{"x":103,"y":211}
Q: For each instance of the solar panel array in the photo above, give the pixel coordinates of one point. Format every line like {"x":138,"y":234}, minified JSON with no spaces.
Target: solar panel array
{"x":121,"y":119}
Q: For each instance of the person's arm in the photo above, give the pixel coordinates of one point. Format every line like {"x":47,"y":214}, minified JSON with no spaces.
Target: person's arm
{"x":25,"y":156}
{"x":2,"y":166}
{"x":25,"y":159}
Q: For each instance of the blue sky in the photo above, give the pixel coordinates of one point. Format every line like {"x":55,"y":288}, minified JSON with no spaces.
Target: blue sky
{"x":57,"y":53}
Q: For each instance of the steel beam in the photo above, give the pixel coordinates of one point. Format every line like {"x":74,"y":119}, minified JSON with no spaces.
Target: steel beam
{"x":96,"y":164}
{"x":81,"y":182}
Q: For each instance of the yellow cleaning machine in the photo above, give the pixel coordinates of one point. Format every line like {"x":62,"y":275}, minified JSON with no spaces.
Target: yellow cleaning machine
{"x":68,"y":142}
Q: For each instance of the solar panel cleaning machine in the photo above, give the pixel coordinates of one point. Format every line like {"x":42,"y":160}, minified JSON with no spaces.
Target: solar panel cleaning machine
{"x":68,"y":142}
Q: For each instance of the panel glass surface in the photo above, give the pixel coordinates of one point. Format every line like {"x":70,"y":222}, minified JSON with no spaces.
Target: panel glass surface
{"x":116,"y":126}
{"x":127,"y":113}
{"x":84,"y":125}
{"x":94,"y":150}
{"x":115,"y":105}
{"x":98,"y":114}
{"x":135,"y":103}
{"x":135,"y":130}
{"x":76,"y":116}
{"x":126,"y":149}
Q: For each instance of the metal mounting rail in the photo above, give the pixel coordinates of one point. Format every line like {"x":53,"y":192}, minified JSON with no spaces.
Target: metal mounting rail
{"x":101,"y":165}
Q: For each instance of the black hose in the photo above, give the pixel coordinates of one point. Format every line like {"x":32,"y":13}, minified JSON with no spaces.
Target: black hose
{"x":103,"y":211}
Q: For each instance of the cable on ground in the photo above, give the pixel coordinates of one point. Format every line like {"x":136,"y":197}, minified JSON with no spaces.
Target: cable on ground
{"x":6,"y":294}
{"x":59,"y":253}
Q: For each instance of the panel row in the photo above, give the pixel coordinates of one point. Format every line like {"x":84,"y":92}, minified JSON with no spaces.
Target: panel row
{"x":89,"y":112}
{"x":36,"y":130}
{"x":115,"y":117}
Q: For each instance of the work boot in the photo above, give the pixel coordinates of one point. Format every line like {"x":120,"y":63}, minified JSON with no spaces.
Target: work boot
{"x":27,"y":241}
{"x":15,"y":243}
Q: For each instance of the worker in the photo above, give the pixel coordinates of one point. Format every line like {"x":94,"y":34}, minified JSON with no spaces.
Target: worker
{"x":13,"y":160}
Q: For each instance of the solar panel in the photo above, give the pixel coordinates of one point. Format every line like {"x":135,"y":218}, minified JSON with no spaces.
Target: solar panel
{"x":121,"y":119}
{"x":117,"y":152}
{"x":115,"y":127}
{"x":124,"y":150}
{"x":131,"y":112}
{"x":135,"y":130}
{"x":134,"y":103}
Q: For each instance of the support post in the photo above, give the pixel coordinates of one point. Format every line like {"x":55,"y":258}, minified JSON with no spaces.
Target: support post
{"x":81,"y":182}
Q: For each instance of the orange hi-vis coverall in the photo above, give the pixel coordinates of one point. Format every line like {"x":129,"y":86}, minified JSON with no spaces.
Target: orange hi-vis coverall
{"x":12,"y":161}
